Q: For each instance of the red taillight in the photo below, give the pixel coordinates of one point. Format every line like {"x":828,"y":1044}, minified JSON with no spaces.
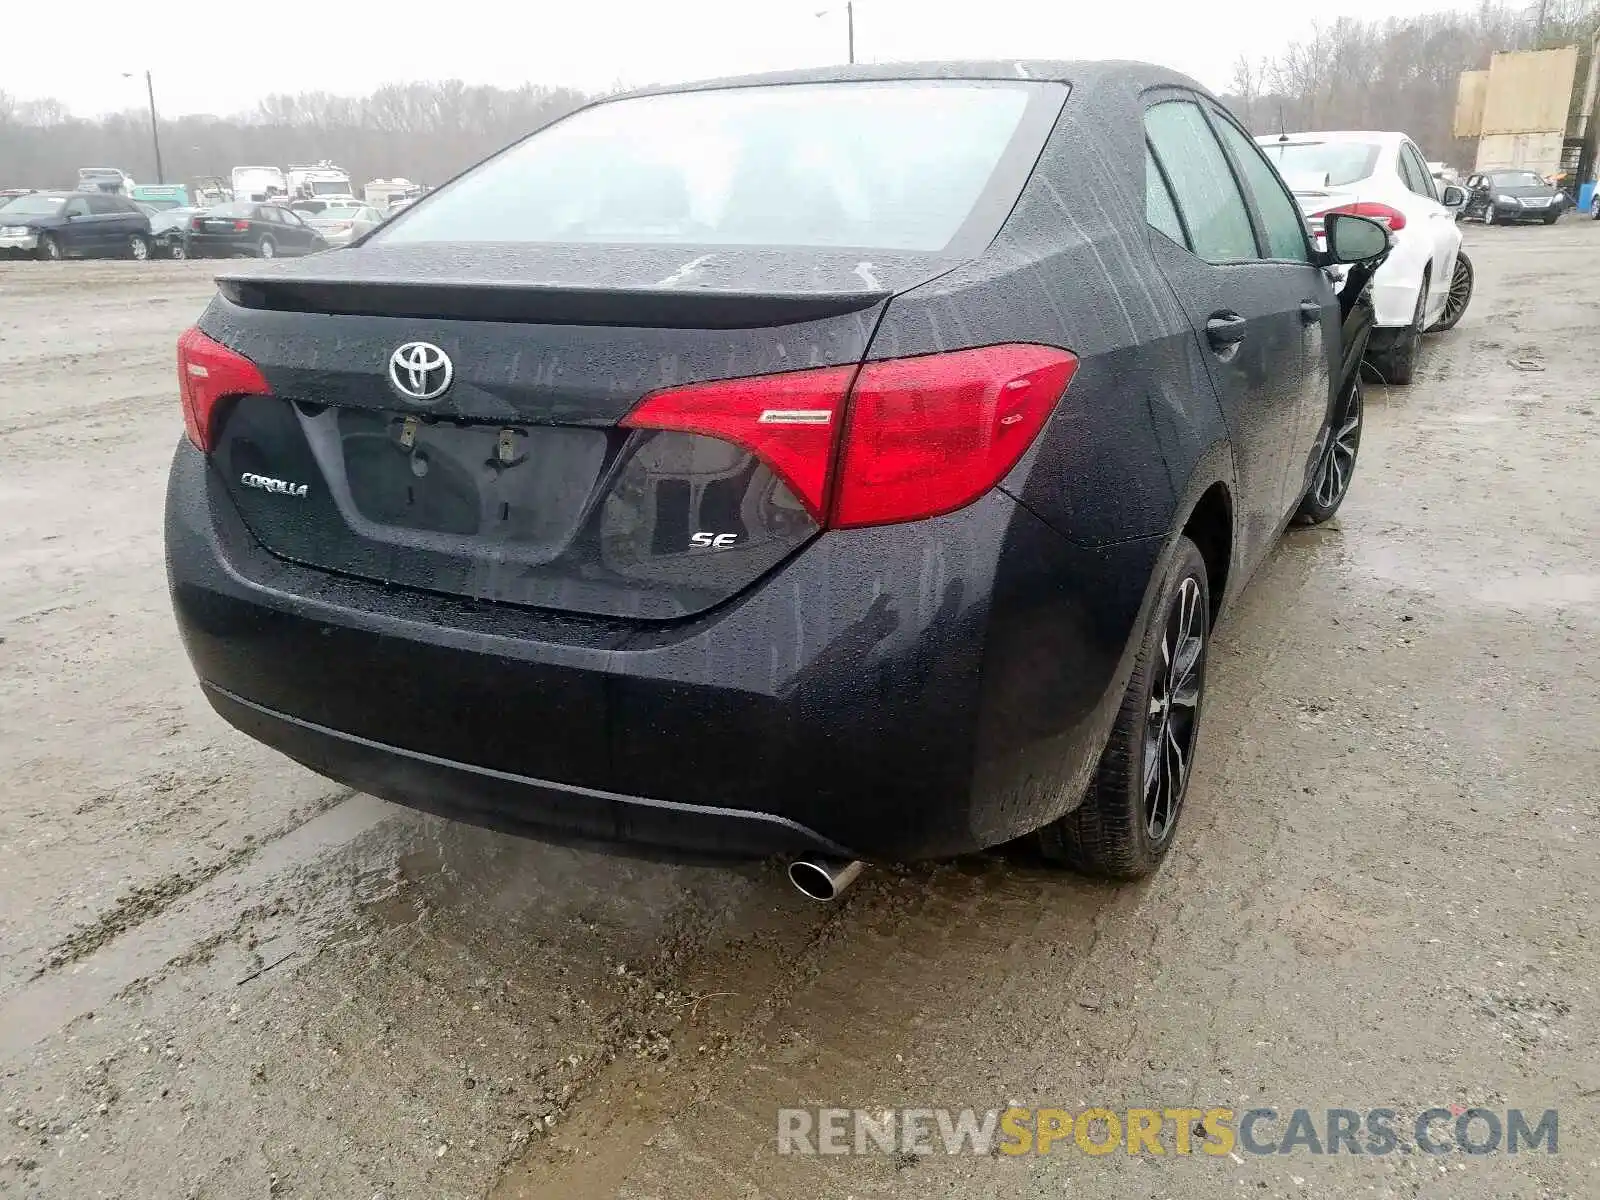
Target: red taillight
{"x":194,"y":224}
{"x":1390,"y":218}
{"x":241,"y":226}
{"x":924,"y":435}
{"x":785,"y":420}
{"x":929,"y":435}
{"x":208,"y":372}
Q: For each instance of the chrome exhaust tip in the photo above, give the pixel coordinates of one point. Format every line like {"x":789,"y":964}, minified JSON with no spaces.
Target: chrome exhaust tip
{"x":824,"y":878}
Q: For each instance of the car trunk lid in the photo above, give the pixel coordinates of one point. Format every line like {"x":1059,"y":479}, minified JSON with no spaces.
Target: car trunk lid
{"x":517,"y":483}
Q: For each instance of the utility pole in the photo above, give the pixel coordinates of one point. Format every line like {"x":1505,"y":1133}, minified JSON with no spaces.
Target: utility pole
{"x":155,"y":132}
{"x":850,"y":25}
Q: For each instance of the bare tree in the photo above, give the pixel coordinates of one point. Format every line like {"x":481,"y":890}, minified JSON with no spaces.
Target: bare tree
{"x":424,"y":131}
{"x":1399,"y":73}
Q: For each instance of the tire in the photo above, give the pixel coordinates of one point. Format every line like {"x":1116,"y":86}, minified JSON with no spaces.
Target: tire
{"x":1488,"y":215}
{"x":266,"y":248}
{"x":1330,"y":482}
{"x":177,"y":252}
{"x":1115,"y":833}
{"x":49,"y":249}
{"x":1552,"y":218}
{"x":1455,"y":304}
{"x":1594,"y":207}
{"x":1396,"y":363}
{"x":138,"y":247}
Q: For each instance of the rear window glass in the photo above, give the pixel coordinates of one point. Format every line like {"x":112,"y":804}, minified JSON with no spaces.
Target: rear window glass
{"x":897,"y":165}
{"x":235,"y":209}
{"x":1312,"y":165}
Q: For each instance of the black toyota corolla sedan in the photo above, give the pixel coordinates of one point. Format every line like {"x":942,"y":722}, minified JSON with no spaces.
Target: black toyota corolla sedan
{"x":842,"y":465}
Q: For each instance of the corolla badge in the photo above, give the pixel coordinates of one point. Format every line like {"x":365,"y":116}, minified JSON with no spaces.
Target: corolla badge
{"x":420,"y":371}
{"x":280,"y":486}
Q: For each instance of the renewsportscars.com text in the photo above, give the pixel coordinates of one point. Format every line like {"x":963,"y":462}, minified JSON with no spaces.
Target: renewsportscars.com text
{"x":1217,"y":1131}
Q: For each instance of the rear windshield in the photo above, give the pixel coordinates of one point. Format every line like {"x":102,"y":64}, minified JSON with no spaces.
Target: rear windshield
{"x":1309,"y":165}
{"x":897,"y":165}
{"x":238,"y":208}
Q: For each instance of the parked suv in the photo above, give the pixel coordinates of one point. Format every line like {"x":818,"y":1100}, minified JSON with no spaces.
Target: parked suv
{"x":56,"y":225}
{"x":734,"y":466}
{"x":1426,"y":284}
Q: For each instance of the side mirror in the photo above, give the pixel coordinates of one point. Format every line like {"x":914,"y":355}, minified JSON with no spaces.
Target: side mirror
{"x":1452,"y":197}
{"x":1353,"y":239}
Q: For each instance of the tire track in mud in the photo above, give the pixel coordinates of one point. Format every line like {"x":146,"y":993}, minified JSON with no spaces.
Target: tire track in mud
{"x":149,"y":900}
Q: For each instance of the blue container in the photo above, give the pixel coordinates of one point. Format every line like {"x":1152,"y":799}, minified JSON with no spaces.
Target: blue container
{"x":1585,"y":196}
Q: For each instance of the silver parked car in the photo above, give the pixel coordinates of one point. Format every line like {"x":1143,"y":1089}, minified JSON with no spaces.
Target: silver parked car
{"x":342,"y":223}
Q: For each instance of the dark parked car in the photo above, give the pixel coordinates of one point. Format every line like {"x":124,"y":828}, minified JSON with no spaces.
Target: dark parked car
{"x":855,"y":495}
{"x":1496,"y":197}
{"x":57,"y":225}
{"x":249,"y":228}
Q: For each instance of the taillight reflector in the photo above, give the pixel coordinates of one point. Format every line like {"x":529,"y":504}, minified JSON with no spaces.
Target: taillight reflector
{"x":241,"y":226}
{"x":1390,"y":218}
{"x":208,"y":372}
{"x":923,"y":436}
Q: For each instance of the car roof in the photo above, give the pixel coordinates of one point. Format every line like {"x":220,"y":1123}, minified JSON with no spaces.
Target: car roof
{"x":1086,"y":73}
{"x":1382,"y":137}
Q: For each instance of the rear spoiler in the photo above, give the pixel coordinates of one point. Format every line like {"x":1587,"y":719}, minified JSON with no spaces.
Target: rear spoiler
{"x":664,"y":308}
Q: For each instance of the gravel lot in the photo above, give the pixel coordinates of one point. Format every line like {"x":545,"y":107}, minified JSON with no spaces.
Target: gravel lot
{"x":222,"y":976}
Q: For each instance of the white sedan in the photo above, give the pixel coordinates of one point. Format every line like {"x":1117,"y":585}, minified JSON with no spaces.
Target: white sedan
{"x":1426,"y":284}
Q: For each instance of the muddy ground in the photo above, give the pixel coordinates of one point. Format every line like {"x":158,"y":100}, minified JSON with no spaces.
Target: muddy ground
{"x":221,"y":976}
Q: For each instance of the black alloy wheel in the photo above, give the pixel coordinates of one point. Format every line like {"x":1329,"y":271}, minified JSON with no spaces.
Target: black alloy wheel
{"x":1330,"y":483}
{"x":1125,"y":823}
{"x":1172,"y":717}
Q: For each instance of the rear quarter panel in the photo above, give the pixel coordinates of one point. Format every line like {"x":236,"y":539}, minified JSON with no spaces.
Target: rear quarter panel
{"x":1131,"y":446}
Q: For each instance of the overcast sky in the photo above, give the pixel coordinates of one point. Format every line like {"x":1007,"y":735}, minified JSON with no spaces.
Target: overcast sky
{"x":223,"y":58}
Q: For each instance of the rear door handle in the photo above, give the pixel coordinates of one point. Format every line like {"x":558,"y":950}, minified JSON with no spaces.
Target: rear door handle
{"x":1225,"y":330}
{"x":1310,"y":312}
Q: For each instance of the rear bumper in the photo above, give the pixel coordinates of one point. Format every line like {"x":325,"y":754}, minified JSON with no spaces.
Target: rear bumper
{"x":518,"y":804}
{"x":911,"y":692}
{"x":207,"y":246}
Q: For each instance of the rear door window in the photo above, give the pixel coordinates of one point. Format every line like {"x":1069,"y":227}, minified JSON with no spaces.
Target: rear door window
{"x":1417,"y":176}
{"x":102,"y":205}
{"x":1159,"y":210}
{"x":904,"y":165}
{"x":1203,"y":185}
{"x":1286,"y":236}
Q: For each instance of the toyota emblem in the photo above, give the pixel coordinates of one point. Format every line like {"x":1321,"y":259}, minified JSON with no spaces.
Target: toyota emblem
{"x":420,"y":371}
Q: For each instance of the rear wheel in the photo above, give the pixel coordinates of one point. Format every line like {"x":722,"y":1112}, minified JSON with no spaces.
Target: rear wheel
{"x":1126,"y":822}
{"x":1594,"y":206}
{"x":266,"y":248}
{"x":1396,"y":362}
{"x":49,"y":249}
{"x":176,"y":250}
{"x":1331,"y":481}
{"x":138,"y":247}
{"x":1488,"y":214}
{"x":1455,"y":304}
